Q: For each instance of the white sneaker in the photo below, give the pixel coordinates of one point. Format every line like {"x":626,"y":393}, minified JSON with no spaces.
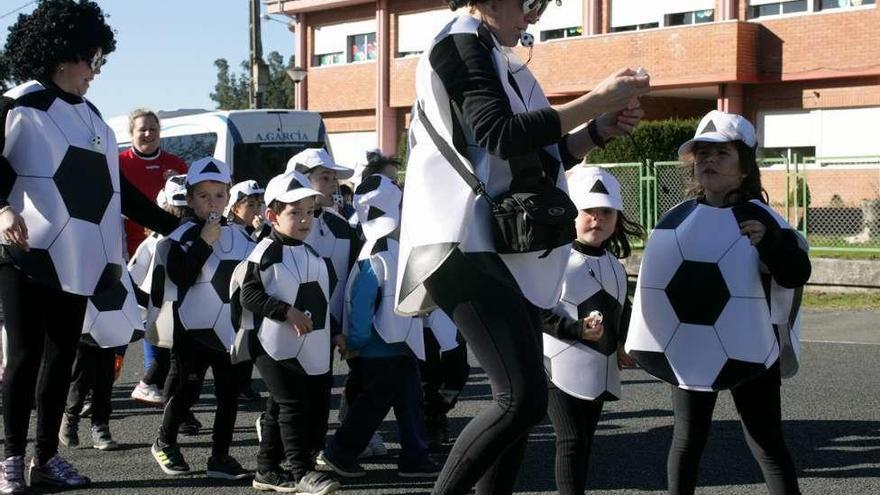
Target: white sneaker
{"x":376,"y":447}
{"x":148,"y":394}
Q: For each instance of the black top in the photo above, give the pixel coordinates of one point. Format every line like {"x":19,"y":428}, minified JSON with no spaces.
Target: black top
{"x":466,"y":67}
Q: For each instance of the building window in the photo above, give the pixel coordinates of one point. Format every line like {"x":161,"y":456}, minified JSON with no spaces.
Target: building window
{"x":842,"y":4}
{"x":635,"y":27}
{"x":555,"y":34}
{"x":329,"y":59}
{"x":779,"y":8}
{"x":362,"y":47}
{"x":686,"y":18}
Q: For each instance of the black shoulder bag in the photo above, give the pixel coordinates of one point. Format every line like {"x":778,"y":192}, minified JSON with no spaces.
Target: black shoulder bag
{"x":540,"y":218}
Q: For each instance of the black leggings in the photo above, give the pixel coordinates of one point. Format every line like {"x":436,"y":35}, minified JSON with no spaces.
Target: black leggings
{"x":503,"y":330}
{"x":92,"y":373}
{"x":574,"y":421}
{"x":760,"y":411}
{"x":444,"y":376}
{"x":43,"y":327}
{"x":192,"y":362}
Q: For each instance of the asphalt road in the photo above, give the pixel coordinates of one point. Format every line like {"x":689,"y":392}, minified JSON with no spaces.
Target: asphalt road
{"x":831,"y":412}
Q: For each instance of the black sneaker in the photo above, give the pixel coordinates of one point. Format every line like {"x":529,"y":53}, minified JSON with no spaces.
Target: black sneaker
{"x":249,"y":395}
{"x":424,"y":469}
{"x":274,"y":481}
{"x":189,"y":426}
{"x":56,"y":472}
{"x":170,"y":459}
{"x":315,"y":483}
{"x":102,"y":439}
{"x":226,"y":468}
{"x":346,"y":470}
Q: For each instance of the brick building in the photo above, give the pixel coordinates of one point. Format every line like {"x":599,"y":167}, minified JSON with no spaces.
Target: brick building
{"x":807,"y":72}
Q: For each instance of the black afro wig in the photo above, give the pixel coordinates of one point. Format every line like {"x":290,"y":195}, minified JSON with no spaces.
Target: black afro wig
{"x":56,"y":31}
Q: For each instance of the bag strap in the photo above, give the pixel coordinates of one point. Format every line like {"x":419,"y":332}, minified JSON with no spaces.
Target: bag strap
{"x":452,"y":158}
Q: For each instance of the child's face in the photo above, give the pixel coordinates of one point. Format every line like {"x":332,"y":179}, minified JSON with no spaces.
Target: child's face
{"x":208,"y":197}
{"x":324,"y":181}
{"x":247,"y":209}
{"x":595,"y":225}
{"x":716,"y":168}
{"x":295,"y":220}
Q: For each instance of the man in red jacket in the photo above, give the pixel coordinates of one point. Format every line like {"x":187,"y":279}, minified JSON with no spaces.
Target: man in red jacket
{"x":145,"y":165}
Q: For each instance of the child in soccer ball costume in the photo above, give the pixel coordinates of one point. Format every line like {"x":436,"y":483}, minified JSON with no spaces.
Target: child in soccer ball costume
{"x":286,"y":287}
{"x":584,"y":333}
{"x":387,"y":344}
{"x":190,"y":287}
{"x":245,"y":209}
{"x":751,"y":343}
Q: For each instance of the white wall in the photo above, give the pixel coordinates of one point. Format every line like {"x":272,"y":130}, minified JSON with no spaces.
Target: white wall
{"x":631,"y":12}
{"x":416,"y":31}
{"x":834,"y":132}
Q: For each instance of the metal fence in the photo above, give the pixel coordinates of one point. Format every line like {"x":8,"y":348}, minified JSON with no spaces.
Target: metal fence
{"x":833,"y":201}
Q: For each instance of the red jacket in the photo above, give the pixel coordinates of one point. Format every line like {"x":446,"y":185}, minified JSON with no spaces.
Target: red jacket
{"x":149,"y":176}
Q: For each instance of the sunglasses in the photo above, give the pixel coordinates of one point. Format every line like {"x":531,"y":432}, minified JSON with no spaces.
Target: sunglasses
{"x":535,"y":6}
{"x":98,"y":61}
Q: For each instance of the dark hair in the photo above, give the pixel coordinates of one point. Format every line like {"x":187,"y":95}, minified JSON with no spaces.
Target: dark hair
{"x":457,"y":4}
{"x":57,"y":31}
{"x":376,"y":161}
{"x":345,"y":189}
{"x":749,"y":189}
{"x":618,"y":243}
{"x":179,"y":211}
{"x":277,"y":206}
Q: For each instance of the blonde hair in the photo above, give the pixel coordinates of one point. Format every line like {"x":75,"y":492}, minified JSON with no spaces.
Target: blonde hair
{"x":138,"y":113}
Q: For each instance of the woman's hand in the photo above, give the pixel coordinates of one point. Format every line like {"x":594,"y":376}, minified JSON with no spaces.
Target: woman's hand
{"x":257,"y":222}
{"x":300,"y":321}
{"x":754,"y":229}
{"x":620,"y":123}
{"x":618,"y":91}
{"x":13,"y":230}
{"x":211,"y":230}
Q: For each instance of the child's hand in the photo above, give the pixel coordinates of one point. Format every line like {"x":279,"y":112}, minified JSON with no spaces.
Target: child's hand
{"x":211,"y":230}
{"x":257,"y":222}
{"x":754,"y":229}
{"x":301,"y":322}
{"x":624,"y":360}
{"x":592,"y":329}
{"x":339,"y":341}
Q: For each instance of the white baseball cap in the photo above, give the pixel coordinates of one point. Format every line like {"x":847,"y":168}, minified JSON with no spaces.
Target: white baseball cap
{"x":308,"y":159}
{"x":377,"y":205}
{"x":720,"y":127}
{"x":174,"y":192}
{"x":241,"y":191}
{"x":208,"y":168}
{"x":594,"y":187}
{"x":289,"y":187}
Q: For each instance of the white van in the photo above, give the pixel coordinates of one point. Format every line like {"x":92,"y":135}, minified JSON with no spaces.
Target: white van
{"x":256,"y":144}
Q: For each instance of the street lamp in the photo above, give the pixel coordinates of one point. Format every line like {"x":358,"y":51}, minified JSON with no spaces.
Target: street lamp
{"x":290,"y":23}
{"x":296,"y":74}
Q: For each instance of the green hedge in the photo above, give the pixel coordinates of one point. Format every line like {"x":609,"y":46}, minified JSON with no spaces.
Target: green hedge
{"x":658,"y":140}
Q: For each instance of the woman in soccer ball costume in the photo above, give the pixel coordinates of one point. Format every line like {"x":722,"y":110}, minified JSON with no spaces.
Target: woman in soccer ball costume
{"x":60,"y":179}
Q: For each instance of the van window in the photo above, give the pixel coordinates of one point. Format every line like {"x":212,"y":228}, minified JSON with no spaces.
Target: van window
{"x":191,"y":147}
{"x":261,"y":162}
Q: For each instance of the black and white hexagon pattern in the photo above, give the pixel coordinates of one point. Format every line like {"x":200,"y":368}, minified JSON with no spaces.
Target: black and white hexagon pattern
{"x":66,"y":188}
{"x":700,"y":316}
{"x":391,"y":327}
{"x":204,"y":308}
{"x":112,"y":316}
{"x":297,"y":276}
{"x":583,"y":369}
{"x":331,"y":237}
